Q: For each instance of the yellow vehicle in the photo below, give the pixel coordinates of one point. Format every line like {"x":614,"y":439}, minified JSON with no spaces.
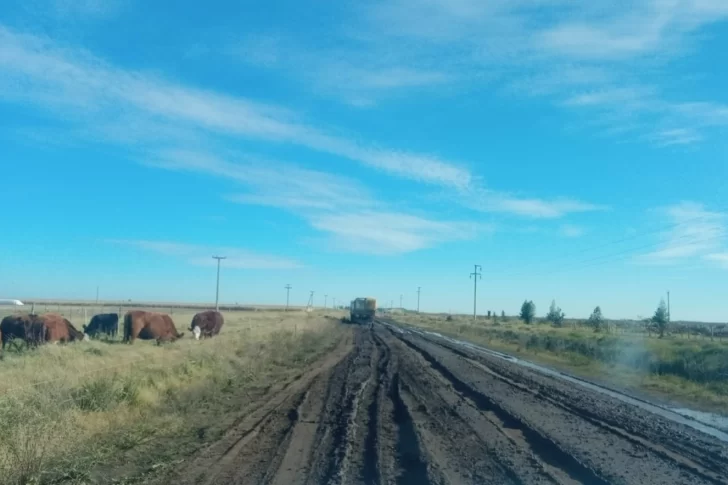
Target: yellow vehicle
{"x":363,"y":310}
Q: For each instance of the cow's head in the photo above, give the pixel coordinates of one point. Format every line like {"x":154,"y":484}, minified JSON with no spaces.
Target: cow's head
{"x":196,"y":332}
{"x":180,"y":334}
{"x":76,"y":335}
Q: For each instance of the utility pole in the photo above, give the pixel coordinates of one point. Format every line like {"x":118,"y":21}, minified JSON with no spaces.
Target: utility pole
{"x":288,"y":294}
{"x":326,"y":301}
{"x":668,"y":307}
{"x":217,"y":286}
{"x":475,"y":275}
{"x":400,"y":302}
{"x":419,"y":289}
{"x":309,"y":307}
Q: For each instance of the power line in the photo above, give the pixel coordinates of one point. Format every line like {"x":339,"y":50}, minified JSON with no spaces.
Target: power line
{"x":613,"y":257}
{"x":475,"y":275}
{"x":288,"y":294}
{"x":217,"y":286}
{"x":618,"y":241}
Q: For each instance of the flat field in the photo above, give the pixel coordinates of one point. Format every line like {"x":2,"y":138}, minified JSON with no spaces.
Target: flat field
{"x":90,"y":411}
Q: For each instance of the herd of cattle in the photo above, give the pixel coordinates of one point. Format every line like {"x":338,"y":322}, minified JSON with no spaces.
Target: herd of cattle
{"x":51,"y":327}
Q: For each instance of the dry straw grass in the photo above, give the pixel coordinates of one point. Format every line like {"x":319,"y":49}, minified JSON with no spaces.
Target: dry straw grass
{"x":67,"y":410}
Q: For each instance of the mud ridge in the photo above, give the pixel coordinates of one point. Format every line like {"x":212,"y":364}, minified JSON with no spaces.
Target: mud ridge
{"x":546,"y":449}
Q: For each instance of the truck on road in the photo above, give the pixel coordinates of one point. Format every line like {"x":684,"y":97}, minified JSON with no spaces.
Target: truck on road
{"x":363,"y":310}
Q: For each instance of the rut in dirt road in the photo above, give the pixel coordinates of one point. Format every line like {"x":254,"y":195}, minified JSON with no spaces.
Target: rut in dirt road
{"x":397,"y":409}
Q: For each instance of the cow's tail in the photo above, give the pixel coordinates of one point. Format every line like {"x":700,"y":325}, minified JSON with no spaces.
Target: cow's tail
{"x":127,"y":327}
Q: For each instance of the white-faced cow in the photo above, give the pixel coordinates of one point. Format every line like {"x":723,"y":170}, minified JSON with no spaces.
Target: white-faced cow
{"x":206,"y":324}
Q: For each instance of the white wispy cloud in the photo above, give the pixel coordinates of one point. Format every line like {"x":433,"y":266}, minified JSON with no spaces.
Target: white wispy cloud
{"x":696,"y":233}
{"x":642,"y":28}
{"x":676,"y":136}
{"x":148,"y":114}
{"x":570,"y":230}
{"x":93,"y":8}
{"x":720,"y":258}
{"x":201,"y":255}
{"x":390,"y":232}
{"x":86,"y":89}
{"x":270,"y":182}
{"x":611,"y":61}
{"x":359,"y":77}
{"x":491,"y":201}
{"x":335,"y":205}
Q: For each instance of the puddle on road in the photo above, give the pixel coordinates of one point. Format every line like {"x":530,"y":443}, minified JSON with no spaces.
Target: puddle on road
{"x":708,"y":423}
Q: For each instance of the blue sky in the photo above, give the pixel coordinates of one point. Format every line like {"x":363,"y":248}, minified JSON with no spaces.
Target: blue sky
{"x":575,"y":150}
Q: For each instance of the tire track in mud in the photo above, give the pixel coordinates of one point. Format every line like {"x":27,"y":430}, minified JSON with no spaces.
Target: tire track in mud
{"x":705,"y":469}
{"x":395,"y":409}
{"x":414,"y":468}
{"x":547,"y":450}
{"x":600,"y":450}
{"x":691,"y":454}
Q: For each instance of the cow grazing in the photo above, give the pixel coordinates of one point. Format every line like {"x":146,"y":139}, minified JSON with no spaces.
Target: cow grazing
{"x":38,"y":329}
{"x":206,"y":324}
{"x":149,"y":326}
{"x":13,"y":327}
{"x":36,"y":333}
{"x":59,"y":329}
{"x":105,"y":323}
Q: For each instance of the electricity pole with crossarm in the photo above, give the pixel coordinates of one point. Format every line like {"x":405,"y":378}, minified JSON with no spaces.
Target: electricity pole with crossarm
{"x":217,"y":286}
{"x":475,"y":275}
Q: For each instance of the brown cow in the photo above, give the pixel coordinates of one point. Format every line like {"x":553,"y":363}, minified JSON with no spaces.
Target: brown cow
{"x":59,"y":329}
{"x":149,"y":326}
{"x":207,"y":324}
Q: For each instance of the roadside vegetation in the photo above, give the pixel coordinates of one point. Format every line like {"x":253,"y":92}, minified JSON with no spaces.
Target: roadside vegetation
{"x":673,"y":362}
{"x":107,"y":412}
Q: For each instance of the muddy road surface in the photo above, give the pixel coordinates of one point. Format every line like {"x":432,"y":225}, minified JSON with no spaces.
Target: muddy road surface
{"x":398,"y":408}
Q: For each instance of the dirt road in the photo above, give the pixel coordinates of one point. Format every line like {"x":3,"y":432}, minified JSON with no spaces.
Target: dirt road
{"x":398,"y":408}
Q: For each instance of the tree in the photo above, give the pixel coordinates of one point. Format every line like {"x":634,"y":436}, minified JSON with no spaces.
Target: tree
{"x":555,"y":315}
{"x":596,"y":319}
{"x":503,"y":315}
{"x":488,"y":314}
{"x":660,"y":318}
{"x":528,"y":311}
